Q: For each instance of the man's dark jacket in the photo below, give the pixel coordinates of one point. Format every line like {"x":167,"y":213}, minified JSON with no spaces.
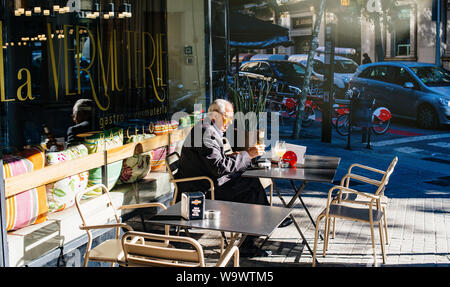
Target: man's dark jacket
{"x":203,"y":154}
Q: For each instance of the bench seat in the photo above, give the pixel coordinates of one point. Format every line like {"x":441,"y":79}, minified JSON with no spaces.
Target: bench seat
{"x":31,"y":242}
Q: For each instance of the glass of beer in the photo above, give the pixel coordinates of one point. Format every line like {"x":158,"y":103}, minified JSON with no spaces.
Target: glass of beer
{"x":279,"y":149}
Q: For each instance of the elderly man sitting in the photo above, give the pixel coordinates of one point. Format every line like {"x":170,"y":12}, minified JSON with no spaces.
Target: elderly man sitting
{"x":203,"y":155}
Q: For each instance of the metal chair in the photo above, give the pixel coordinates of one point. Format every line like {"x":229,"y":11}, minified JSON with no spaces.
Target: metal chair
{"x":380,"y":184}
{"x":94,"y":213}
{"x":346,"y":204}
{"x":334,"y":209}
{"x":173,"y":163}
{"x":142,"y":249}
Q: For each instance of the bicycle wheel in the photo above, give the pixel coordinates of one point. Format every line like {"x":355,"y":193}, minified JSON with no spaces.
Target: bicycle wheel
{"x":308,"y":117}
{"x":343,"y":125}
{"x":379,"y":127}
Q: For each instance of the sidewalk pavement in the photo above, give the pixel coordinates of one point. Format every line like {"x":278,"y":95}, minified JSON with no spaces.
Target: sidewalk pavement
{"x":418,"y":216}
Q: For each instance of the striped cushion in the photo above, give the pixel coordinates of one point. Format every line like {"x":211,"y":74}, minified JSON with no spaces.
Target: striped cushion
{"x":29,"y":207}
{"x":159,"y":157}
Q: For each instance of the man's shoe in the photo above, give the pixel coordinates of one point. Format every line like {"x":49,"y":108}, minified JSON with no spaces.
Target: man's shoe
{"x":288,"y":221}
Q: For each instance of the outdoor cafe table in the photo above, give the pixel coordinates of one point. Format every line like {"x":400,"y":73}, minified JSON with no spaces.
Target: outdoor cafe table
{"x":315,"y":168}
{"x":237,"y":218}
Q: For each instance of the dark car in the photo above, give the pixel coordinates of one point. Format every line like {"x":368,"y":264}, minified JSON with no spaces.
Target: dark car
{"x":412,"y":90}
{"x":283,"y":72}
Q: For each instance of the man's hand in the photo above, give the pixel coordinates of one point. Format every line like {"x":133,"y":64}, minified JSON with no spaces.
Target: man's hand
{"x":256,"y":150}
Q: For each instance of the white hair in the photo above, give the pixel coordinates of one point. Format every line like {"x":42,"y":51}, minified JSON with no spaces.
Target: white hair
{"x":219,"y":105}
{"x":82,"y":105}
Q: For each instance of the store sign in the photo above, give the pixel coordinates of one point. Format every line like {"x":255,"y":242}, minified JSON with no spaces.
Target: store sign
{"x":54,"y":57}
{"x":143,"y":67}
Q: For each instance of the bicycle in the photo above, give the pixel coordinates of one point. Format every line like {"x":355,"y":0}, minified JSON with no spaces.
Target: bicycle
{"x":381,"y":118}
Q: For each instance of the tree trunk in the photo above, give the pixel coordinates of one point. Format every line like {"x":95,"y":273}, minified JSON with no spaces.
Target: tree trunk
{"x":301,"y":98}
{"x":379,"y":51}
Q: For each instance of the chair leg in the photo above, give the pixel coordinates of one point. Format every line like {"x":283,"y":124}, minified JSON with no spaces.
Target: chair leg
{"x":334,"y":227}
{"x":380,"y":228}
{"x":327,"y":234}
{"x":86,"y":259}
{"x":316,"y":235}
{"x":385,"y":226}
{"x":373,"y":245}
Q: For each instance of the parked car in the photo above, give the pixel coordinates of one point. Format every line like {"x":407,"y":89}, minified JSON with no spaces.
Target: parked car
{"x":344,"y":68}
{"x":282,"y":72}
{"x":412,"y":90}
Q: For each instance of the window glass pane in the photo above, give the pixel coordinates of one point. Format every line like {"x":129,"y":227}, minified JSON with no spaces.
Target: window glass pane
{"x":345,"y":66}
{"x":135,"y":64}
{"x":401,"y":76}
{"x":367,"y":73}
{"x":432,"y":76}
{"x":318,"y":67}
{"x":251,"y":67}
{"x":264,"y":69}
{"x":186,"y":54}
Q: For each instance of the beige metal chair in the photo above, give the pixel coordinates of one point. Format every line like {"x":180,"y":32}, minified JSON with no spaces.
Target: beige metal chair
{"x":380,"y":184}
{"x":172,"y":163}
{"x":142,"y":249}
{"x":94,"y":213}
{"x":367,"y":214}
{"x":346,"y":204}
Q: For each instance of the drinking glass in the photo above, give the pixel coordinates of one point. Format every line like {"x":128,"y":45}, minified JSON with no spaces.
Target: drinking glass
{"x":280,"y":149}
{"x":260,"y":139}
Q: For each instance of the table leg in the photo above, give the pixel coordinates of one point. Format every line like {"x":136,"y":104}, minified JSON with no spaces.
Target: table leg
{"x":297,"y":194}
{"x":233,"y":238}
{"x":293,"y":219}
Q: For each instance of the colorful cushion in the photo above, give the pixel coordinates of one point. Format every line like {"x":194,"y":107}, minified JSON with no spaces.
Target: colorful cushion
{"x":138,"y":166}
{"x":61,"y":194}
{"x":159,"y":157}
{"x":98,"y":143}
{"x":161,"y":128}
{"x":29,"y":207}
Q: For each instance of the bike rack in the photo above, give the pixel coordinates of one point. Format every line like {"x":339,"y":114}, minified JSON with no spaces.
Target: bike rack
{"x":366,"y":132}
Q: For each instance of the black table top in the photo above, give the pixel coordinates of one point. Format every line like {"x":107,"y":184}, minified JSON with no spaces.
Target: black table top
{"x":250,"y":219}
{"x":316,"y":168}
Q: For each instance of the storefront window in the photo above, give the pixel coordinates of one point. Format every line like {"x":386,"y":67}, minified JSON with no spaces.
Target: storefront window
{"x":135,"y":60}
{"x":187,"y":54}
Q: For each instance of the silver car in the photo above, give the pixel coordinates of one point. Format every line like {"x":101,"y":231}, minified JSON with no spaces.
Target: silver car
{"x":412,"y":90}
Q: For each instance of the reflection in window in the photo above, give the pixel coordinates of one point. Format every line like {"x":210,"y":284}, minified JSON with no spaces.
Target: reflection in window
{"x":187,"y":55}
{"x":432,"y":76}
{"x":345,"y":66}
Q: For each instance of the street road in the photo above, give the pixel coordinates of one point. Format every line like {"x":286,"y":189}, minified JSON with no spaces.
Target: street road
{"x":424,"y":155}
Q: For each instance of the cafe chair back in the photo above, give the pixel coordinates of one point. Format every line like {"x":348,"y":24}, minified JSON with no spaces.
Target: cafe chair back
{"x":173,"y":163}
{"x":100,"y":213}
{"x":142,"y":249}
{"x":379,"y":184}
{"x":350,"y":204}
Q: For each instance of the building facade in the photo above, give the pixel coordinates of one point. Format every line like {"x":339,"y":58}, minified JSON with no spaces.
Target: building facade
{"x":137,"y":62}
{"x":407,"y":28}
